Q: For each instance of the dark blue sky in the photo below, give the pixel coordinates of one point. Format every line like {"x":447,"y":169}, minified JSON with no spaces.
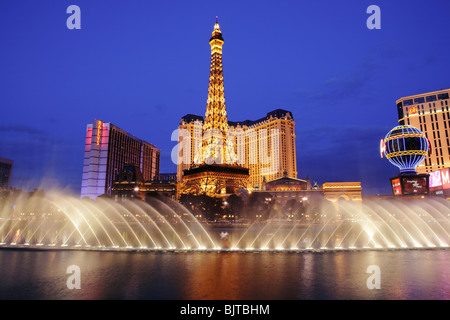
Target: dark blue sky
{"x":142,"y":65}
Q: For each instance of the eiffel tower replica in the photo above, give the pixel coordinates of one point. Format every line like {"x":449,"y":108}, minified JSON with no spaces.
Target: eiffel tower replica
{"x":217,"y":175}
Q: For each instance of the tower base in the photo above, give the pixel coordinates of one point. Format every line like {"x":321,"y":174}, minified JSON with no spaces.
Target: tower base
{"x":215,"y":180}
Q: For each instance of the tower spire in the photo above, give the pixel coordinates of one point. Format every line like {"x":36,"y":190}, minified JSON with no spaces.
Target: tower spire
{"x":215,"y":125}
{"x":216,"y":113}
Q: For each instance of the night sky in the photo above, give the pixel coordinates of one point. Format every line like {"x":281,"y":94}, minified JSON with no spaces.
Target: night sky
{"x":142,"y":65}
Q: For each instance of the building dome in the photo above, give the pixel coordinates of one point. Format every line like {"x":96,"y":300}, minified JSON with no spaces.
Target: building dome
{"x":405,"y":147}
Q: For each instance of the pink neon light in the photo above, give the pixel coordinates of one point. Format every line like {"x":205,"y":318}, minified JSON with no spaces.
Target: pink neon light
{"x":435,"y":179}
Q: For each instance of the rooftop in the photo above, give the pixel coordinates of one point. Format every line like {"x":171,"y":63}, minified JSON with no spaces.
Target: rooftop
{"x":278,"y":114}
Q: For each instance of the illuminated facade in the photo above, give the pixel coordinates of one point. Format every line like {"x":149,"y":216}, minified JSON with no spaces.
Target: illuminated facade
{"x":430,"y":113}
{"x":265,"y":147}
{"x":350,"y":191}
{"x":107,"y":150}
{"x":439,"y":183}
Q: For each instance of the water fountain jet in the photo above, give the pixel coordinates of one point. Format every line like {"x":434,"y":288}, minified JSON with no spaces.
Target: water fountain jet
{"x":169,"y":227}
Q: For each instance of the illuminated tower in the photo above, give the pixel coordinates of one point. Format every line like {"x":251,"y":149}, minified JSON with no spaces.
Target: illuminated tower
{"x":218,"y":156}
{"x":215,"y":125}
{"x":216,"y":113}
{"x":214,"y":174}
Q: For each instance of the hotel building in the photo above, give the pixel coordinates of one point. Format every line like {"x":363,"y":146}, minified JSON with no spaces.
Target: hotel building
{"x":429,"y":112}
{"x":252,"y":141}
{"x":107,"y":150}
{"x":265,"y":147}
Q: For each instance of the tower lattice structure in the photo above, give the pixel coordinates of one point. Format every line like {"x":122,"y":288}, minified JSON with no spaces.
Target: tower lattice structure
{"x":215,"y":125}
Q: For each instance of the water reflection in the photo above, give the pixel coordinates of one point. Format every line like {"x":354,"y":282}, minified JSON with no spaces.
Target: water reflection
{"x":415,"y":274}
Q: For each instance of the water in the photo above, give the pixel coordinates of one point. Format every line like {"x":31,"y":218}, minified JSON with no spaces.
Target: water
{"x":405,"y":274}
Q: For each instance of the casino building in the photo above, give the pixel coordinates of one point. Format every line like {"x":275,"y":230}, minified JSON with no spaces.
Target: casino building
{"x":107,"y":149}
{"x":430,"y":113}
{"x":218,"y":157}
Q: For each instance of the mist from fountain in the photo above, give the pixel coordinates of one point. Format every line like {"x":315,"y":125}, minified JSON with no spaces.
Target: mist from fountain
{"x":62,"y":221}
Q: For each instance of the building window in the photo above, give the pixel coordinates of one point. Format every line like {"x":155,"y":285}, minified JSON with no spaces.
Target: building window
{"x":408,"y":102}
{"x":431,"y":98}
{"x":419,"y":100}
{"x":443,"y":96}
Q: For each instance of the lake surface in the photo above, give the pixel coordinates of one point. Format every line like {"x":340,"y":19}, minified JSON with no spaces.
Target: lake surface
{"x":404,"y":274}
